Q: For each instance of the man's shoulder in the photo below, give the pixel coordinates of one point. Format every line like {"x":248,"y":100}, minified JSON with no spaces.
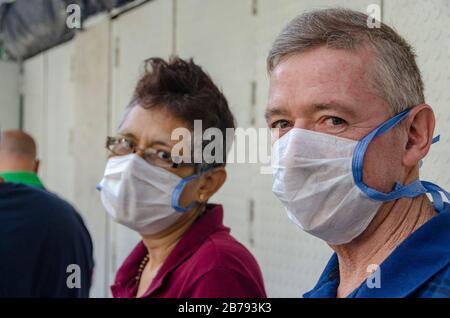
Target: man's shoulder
{"x":17,"y":194}
{"x":22,"y":202}
{"x":446,"y":207}
{"x":437,"y":286}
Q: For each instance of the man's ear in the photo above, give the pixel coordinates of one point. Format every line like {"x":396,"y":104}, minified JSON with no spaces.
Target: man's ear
{"x":1,"y":180}
{"x":210,"y":183}
{"x":420,"y":128}
{"x":36,"y":165}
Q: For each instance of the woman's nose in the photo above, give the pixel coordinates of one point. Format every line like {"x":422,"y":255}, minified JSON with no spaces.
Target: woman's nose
{"x":140,"y":152}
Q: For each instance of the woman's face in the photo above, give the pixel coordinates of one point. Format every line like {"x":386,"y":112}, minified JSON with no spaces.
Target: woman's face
{"x":152,"y":128}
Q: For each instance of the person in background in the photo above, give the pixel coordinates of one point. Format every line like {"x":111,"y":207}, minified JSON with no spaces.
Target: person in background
{"x":186,"y":251}
{"x":347,"y":101}
{"x":18,"y":161}
{"x":45,"y":250}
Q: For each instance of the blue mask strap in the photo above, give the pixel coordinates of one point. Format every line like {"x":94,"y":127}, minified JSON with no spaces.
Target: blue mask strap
{"x":176,"y":194}
{"x":435,"y":190}
{"x":411,"y":190}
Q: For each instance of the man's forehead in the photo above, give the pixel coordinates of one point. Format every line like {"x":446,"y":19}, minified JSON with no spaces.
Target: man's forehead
{"x":320,"y":76}
{"x":323,"y":65}
{"x":330,"y":57}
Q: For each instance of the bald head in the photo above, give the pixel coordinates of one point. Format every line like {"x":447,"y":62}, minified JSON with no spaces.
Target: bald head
{"x":17,"y":151}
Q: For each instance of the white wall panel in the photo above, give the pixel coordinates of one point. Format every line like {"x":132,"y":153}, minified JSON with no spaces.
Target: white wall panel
{"x":35,"y":106}
{"x":60,"y":158}
{"x":9,"y":95}
{"x":137,"y":35}
{"x":91,"y":77}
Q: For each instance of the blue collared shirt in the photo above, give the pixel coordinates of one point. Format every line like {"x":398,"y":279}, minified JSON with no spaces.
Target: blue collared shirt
{"x":418,"y":267}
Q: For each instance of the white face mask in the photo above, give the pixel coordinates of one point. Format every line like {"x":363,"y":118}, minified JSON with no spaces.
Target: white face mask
{"x":141,"y":196}
{"x":314,"y":181}
{"x":318,"y":178}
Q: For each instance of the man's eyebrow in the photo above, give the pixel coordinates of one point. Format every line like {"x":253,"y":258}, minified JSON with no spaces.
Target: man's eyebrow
{"x":275,"y":111}
{"x":339,"y":107}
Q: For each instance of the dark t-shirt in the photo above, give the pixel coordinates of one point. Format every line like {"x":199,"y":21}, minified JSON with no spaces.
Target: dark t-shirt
{"x":45,"y":248}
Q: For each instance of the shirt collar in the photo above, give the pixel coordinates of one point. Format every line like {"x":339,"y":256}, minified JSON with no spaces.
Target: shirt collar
{"x":411,"y":264}
{"x":25,"y":177}
{"x":208,"y":223}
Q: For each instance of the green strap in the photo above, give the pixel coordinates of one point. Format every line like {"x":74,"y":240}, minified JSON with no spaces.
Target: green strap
{"x":28,"y":178}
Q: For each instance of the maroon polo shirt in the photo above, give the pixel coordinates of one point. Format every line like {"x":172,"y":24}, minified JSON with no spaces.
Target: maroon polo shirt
{"x":206,"y":263}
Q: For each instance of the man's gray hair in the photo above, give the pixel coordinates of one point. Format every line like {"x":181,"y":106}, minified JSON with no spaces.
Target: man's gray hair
{"x":394,"y":75}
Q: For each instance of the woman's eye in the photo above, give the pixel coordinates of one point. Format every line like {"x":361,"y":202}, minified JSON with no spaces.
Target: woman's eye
{"x":281,"y":124}
{"x":163,"y":155}
{"x":127,"y":144}
{"x":121,"y":146}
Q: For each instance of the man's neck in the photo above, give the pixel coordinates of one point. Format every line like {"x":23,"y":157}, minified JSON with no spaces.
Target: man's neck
{"x":394,"y":222}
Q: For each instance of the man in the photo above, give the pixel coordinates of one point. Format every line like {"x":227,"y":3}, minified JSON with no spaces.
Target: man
{"x":18,"y":161}
{"x":347,"y":102}
{"x":46,"y":250}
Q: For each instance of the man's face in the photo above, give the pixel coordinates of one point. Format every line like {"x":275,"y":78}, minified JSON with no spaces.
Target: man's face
{"x":328,"y":91}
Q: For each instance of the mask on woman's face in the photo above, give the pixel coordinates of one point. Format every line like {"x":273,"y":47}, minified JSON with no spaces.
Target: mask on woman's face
{"x":141,"y":196}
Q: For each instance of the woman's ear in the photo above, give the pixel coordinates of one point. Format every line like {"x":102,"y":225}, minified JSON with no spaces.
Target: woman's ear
{"x":210,"y":182}
{"x":420,"y":128}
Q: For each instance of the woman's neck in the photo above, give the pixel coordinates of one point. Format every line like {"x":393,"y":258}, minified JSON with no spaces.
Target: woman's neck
{"x":161,"y":245}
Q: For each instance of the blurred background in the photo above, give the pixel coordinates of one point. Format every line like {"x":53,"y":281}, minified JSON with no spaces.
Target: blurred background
{"x":67,"y":85}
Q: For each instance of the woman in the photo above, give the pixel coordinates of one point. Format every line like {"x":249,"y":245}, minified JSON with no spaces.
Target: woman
{"x":185,"y":249}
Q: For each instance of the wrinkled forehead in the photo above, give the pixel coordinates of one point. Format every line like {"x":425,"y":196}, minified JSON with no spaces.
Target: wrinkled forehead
{"x":323,"y":76}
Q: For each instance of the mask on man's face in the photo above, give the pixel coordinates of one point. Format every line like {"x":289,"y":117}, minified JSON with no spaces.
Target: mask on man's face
{"x":318,"y":178}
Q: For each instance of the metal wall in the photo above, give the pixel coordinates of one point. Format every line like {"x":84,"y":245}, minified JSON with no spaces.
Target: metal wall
{"x":9,"y":95}
{"x":75,"y":95}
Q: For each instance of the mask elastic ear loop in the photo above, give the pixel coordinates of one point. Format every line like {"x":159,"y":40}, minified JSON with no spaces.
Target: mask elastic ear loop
{"x":411,"y":190}
{"x":176,"y":194}
{"x":435,"y":190}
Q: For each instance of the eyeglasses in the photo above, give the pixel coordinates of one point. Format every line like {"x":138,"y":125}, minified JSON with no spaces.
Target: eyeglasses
{"x":120,"y":146}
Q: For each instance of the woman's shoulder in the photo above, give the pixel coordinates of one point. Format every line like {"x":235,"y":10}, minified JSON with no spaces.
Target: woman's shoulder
{"x":224,"y":267}
{"x":222,"y":250}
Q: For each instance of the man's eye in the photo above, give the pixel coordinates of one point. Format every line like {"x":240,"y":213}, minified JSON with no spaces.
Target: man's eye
{"x":281,"y":124}
{"x":335,"y":121}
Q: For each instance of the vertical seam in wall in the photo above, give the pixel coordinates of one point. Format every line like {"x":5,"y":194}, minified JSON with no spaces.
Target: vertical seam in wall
{"x":21,"y":81}
{"x":382,"y":10}
{"x":254,"y":16}
{"x":174,"y":27}
{"x":251,"y":222}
